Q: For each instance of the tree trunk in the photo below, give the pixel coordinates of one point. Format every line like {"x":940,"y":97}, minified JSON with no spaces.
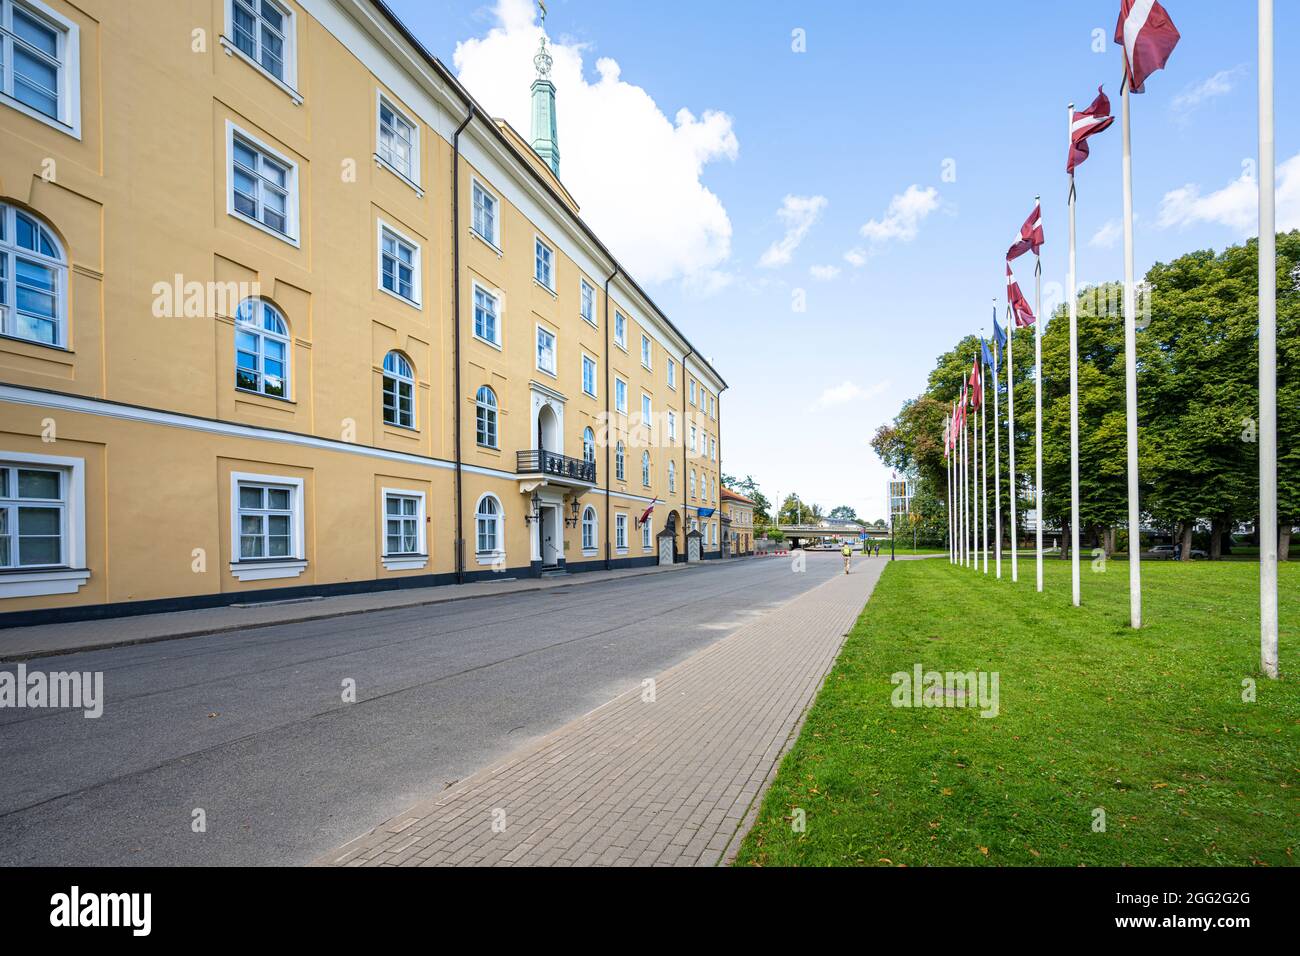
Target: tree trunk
{"x":1216,"y":539}
{"x":1284,"y":541}
{"x":1111,"y":534}
{"x":1185,"y":540}
{"x":1065,"y":540}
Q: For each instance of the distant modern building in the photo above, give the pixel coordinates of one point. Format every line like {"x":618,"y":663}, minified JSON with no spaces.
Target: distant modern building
{"x":284,"y":312}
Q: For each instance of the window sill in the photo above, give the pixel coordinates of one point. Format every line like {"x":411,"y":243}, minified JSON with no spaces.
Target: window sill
{"x":413,"y":303}
{"x":231,"y":50}
{"x":490,"y":558}
{"x":264,"y":570}
{"x":488,"y":342}
{"x":620,"y":550}
{"x":38,"y":344}
{"x":589,"y":552}
{"x":546,"y":288}
{"x":273,"y":398}
{"x":487,"y":242}
{"x":52,"y":121}
{"x":547,"y":371}
{"x":263,"y":227}
{"x":385,"y":164}
{"x":405,"y":562}
{"x":40,"y":582}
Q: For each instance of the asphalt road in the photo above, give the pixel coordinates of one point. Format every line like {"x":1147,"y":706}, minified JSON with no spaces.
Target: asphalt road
{"x":251,"y":727}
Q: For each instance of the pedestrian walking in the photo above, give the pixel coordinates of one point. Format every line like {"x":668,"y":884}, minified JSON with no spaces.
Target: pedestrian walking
{"x":848,"y":556}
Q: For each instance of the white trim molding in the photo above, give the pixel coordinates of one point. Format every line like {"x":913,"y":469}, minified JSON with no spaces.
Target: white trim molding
{"x":261,"y":569}
{"x":34,"y":582}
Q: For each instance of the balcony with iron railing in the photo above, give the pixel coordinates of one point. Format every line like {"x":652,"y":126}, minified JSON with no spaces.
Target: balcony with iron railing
{"x":555,"y":467}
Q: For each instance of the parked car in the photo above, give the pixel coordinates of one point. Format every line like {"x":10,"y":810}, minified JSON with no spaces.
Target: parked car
{"x":1168,"y":551}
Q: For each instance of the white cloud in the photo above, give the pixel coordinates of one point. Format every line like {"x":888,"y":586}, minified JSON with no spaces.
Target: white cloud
{"x":903,"y":218}
{"x":797,"y":213}
{"x":1236,"y":205}
{"x":824,"y":273}
{"x":856,"y":258}
{"x":635,"y":172}
{"x":848,"y":391}
{"x":1194,"y":95}
{"x":703,"y":283}
{"x":1109,"y":234}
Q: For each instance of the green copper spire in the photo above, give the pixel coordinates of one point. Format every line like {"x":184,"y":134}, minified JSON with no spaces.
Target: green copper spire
{"x":545,"y":139}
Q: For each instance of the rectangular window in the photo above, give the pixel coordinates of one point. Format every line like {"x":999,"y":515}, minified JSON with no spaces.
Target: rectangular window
{"x":692,"y":391}
{"x":33,"y":516}
{"x":645,"y":351}
{"x":544,"y":265}
{"x":589,"y":375}
{"x":486,"y":325}
{"x":266,"y":521}
{"x":262,"y":31}
{"x":620,"y":331}
{"x":263,"y":186}
{"x":647,"y":535}
{"x":693,"y":435}
{"x":620,"y":395}
{"x":399,"y":265}
{"x":587,"y":301}
{"x":713,"y":449}
{"x":39,"y":64}
{"x":672,"y":426}
{"x":711,"y":415}
{"x":647,"y":413}
{"x":545,"y":350}
{"x":672,"y":374}
{"x":485,"y":215}
{"x":402,"y":523}
{"x":398,"y":141}
{"x":620,"y":532}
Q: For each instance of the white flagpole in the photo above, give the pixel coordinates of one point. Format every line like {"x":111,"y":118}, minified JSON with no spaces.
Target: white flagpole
{"x":1074,"y":393}
{"x":1130,"y":380}
{"x":984,"y":458}
{"x":1038,"y":411}
{"x":1268,"y":533}
{"x":974,"y":478}
{"x":965,"y":503}
{"x":1012,"y":497}
{"x":997,"y":460}
{"x":948,"y":460}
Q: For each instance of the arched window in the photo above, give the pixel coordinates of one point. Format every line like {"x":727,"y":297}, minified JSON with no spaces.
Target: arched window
{"x":619,"y":471}
{"x":692,"y":482}
{"x":261,"y":349}
{"x":589,"y":528}
{"x":487,"y":522}
{"x":33,"y":280}
{"x":485,"y":417}
{"x":588,"y":445}
{"x":399,"y":391}
{"x":645,"y":468}
{"x":672,"y":475}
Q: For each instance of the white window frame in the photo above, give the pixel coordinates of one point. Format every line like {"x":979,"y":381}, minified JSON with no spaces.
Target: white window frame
{"x":496,"y":314}
{"x":417,"y":268}
{"x":620,"y":330}
{"x":261,"y":569}
{"x":620,"y":461}
{"x":412,"y":176}
{"x":291,"y":187}
{"x":589,"y":361}
{"x":257,"y":328}
{"x":553,"y":371}
{"x":496,"y":420}
{"x":289,"y":83}
{"x":10,"y":251}
{"x":694,"y":436}
{"x":399,"y":379}
{"x":647,"y":469}
{"x":647,"y":410}
{"x":589,"y":446}
{"x":68,"y":55}
{"x":672,"y":476}
{"x":551,"y":263}
{"x":647,"y":534}
{"x":647,"y":352}
{"x":589,"y":550}
{"x":672,"y":425}
{"x":498,"y":554}
{"x":587,"y":297}
{"x":672,"y":375}
{"x":404,"y":561}
{"x":620,"y":532}
{"x":72,"y":574}
{"x":620,"y":395}
{"x":693,"y":483}
{"x":494,"y":240}
{"x":693,"y":402}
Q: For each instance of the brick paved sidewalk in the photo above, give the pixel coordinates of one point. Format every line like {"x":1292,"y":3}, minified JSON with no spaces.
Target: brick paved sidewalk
{"x":675,"y":782}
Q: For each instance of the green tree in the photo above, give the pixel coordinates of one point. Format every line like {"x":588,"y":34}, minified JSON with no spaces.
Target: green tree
{"x":843,"y":513}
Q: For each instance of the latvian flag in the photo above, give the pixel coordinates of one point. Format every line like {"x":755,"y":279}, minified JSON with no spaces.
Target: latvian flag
{"x":1148,"y":37}
{"x":975,"y":384}
{"x":1031,"y":235}
{"x":1024,"y":314}
{"x":1086,"y":122}
{"x":645,"y":515}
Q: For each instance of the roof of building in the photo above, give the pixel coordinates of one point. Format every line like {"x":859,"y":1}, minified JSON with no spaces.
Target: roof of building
{"x":729,"y":495}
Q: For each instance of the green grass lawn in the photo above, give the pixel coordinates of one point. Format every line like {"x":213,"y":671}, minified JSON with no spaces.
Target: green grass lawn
{"x":1149,"y":726}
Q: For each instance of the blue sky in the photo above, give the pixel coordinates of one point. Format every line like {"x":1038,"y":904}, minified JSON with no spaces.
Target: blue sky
{"x":885,"y":93}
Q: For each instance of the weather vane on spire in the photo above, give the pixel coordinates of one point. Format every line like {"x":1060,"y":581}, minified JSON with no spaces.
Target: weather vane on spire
{"x":543,"y":59}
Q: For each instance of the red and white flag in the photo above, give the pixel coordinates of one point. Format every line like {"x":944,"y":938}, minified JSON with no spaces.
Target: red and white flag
{"x":1031,"y":235}
{"x":1148,"y":37}
{"x":975,"y":384}
{"x":645,"y":515}
{"x":1024,"y":314}
{"x":1086,"y":122}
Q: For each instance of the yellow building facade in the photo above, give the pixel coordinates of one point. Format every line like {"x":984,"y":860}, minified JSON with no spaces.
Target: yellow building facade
{"x":283,"y":311}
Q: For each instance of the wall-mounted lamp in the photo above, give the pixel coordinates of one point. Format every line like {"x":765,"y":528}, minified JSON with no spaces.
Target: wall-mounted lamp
{"x":572,"y":520}
{"x":537,"y":509}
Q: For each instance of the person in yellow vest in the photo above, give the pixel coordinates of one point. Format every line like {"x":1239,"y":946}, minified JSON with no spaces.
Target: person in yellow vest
{"x":848,"y":556}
